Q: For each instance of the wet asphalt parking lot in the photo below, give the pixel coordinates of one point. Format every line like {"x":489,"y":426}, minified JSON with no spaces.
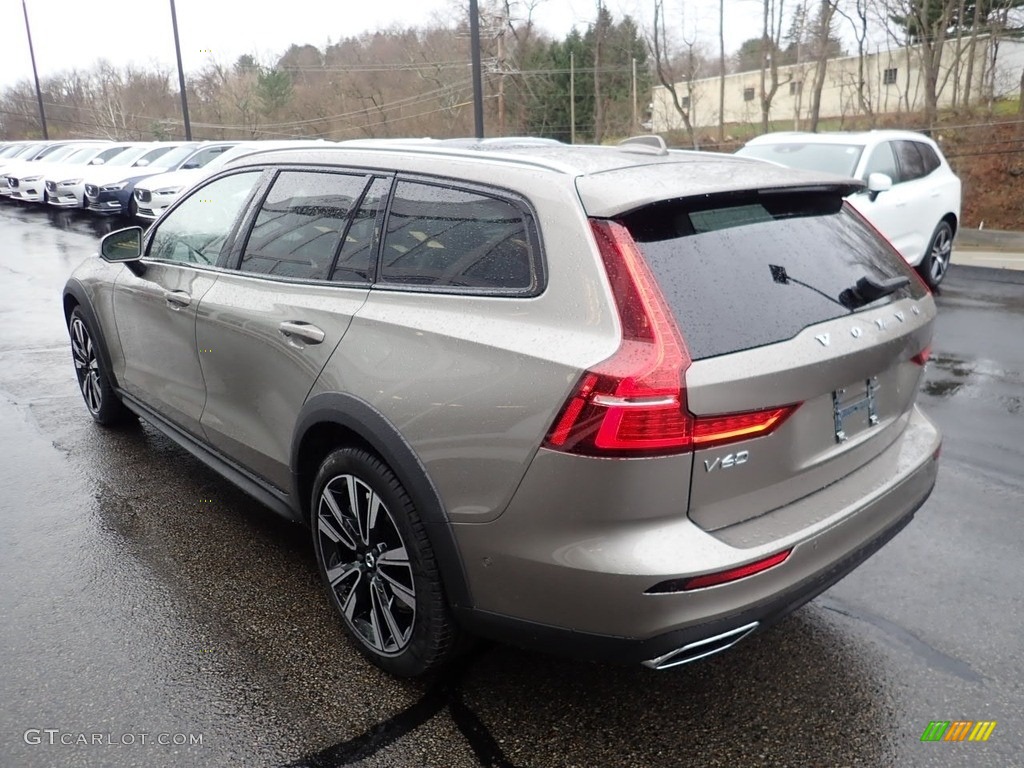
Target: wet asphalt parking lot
{"x":144,"y":600}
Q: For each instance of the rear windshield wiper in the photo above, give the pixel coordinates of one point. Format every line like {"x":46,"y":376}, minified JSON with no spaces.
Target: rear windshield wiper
{"x":869,"y":289}
{"x":781,"y":276}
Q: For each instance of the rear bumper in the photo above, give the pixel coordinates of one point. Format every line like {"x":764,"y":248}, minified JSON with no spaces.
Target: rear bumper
{"x":586,"y":597}
{"x":647,"y":651}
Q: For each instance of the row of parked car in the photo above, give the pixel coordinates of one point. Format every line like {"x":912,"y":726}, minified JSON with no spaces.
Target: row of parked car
{"x":138,"y":179}
{"x":911,"y":194}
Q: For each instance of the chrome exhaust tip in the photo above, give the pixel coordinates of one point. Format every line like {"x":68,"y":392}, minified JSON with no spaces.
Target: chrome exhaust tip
{"x":701,"y":648}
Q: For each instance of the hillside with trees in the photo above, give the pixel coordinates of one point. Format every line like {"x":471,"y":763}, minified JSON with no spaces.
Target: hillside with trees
{"x":416,"y":81}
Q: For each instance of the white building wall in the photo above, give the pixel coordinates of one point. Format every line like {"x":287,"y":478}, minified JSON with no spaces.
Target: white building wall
{"x":839,"y":96}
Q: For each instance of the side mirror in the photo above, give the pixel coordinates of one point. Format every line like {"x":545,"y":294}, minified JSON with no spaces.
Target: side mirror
{"x":123,"y":247}
{"x":878,"y":183}
{"x":189,"y":166}
{"x":97,"y":161}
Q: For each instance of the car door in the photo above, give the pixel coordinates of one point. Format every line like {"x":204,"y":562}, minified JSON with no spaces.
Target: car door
{"x":887,"y":210}
{"x":920,"y":205}
{"x":269,"y":325}
{"x":155,"y":311}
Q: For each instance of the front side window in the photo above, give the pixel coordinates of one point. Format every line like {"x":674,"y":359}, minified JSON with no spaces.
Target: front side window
{"x":204,"y":156}
{"x":442,"y":237}
{"x":195,"y":232}
{"x":882,"y":160}
{"x":300,"y":224}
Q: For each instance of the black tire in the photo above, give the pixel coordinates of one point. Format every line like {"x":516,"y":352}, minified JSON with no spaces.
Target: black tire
{"x":100,"y":399}
{"x":133,"y":207}
{"x":392,"y":606}
{"x":935,"y":264}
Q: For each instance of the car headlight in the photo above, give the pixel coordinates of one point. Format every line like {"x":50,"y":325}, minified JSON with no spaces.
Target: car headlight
{"x":114,"y":187}
{"x":166,"y":191}
{"x":70,"y":183}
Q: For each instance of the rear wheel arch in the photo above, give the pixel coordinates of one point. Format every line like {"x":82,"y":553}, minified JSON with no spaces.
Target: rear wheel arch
{"x":950,"y":218}
{"x":333,"y":420}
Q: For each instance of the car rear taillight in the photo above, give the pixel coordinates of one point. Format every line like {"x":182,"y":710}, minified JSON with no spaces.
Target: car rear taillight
{"x":634,"y":403}
{"x":922,"y":357}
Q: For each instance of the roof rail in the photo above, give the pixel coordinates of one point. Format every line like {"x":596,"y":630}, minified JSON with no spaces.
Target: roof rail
{"x":648,"y":144}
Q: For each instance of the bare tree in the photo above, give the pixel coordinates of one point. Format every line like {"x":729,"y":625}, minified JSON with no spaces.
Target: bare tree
{"x":926,"y":24}
{"x":667,"y":74}
{"x":771,"y":37}
{"x":859,"y":23}
{"x":821,"y":42}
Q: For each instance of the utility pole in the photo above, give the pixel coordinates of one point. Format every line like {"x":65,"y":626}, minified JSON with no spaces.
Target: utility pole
{"x":35,"y":74}
{"x":572,"y":97}
{"x":721,"y":72}
{"x":501,"y":74}
{"x":636,"y":123}
{"x":598,"y":104}
{"x":181,"y":75}
{"x":478,"y":86}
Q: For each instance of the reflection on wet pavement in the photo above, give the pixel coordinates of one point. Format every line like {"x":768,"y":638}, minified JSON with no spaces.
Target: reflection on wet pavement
{"x":143,"y":594}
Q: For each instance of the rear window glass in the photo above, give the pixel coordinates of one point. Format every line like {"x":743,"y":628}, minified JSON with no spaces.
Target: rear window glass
{"x":743,"y":273}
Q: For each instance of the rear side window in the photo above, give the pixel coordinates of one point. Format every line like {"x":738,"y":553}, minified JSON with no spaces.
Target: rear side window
{"x":299,"y":227}
{"x":911,"y":163}
{"x":930,"y":158}
{"x":451,"y":238}
{"x":740,"y":273}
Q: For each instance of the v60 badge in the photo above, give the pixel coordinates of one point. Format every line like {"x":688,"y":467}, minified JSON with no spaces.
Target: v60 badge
{"x":727,"y":462}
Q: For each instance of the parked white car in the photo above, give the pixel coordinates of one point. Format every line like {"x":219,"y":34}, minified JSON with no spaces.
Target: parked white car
{"x":912,"y":195}
{"x":29,"y":183}
{"x":108,"y":190}
{"x":33,"y":166}
{"x":154,"y":194}
{"x":69,"y":187}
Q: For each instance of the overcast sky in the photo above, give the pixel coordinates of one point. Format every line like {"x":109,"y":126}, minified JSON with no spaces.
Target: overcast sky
{"x":75,"y":33}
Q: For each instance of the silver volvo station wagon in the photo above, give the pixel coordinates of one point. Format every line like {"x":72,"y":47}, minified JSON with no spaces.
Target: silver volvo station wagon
{"x":622,"y":403}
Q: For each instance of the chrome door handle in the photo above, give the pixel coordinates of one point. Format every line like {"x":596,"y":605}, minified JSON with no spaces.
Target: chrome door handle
{"x":177,"y":299}
{"x":308,"y":333}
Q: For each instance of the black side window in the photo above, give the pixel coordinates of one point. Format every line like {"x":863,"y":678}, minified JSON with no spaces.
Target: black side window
{"x":882,"y":160}
{"x":438,"y":236}
{"x":931,"y":159}
{"x":300,"y":224}
{"x":911,"y":162}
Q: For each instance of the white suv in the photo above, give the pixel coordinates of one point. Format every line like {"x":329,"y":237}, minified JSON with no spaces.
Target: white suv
{"x":912,"y":195}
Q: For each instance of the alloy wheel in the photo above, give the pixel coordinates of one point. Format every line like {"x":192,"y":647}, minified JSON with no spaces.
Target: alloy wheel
{"x":86,"y":366}
{"x":366,"y":563}
{"x":942,"y":250}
